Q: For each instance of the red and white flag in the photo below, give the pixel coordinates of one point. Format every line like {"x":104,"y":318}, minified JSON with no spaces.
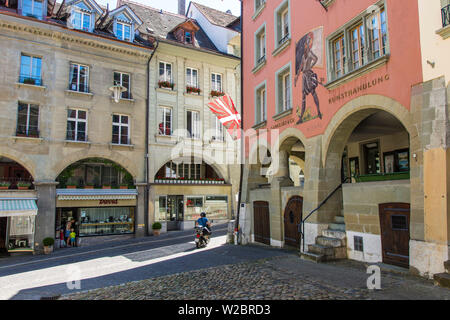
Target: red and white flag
{"x":223,"y":107}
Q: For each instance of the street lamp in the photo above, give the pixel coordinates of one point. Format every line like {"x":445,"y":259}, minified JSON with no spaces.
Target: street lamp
{"x":117,"y":90}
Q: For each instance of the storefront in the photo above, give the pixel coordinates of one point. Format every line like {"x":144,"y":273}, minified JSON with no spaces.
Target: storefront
{"x":17,"y":224}
{"x":177,"y":207}
{"x":97,"y":212}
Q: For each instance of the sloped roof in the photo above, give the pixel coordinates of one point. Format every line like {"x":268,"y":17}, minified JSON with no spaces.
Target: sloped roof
{"x":159,"y":24}
{"x":214,"y":16}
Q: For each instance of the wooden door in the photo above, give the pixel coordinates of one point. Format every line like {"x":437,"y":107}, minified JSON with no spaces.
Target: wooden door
{"x":261,"y":221}
{"x":292,"y":218}
{"x":394,"y":223}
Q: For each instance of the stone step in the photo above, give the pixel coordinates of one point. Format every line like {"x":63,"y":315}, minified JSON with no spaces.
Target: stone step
{"x":319,"y":249}
{"x":312,"y":257}
{"x":442,"y":280}
{"x":334,"y":234}
{"x":330,"y":242}
{"x":337,"y":226}
{"x":339,"y":219}
{"x":447,"y":266}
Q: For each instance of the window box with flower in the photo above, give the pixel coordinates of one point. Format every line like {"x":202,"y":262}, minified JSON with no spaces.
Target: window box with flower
{"x":215,"y":93}
{"x":192,"y":90}
{"x":166,"y":84}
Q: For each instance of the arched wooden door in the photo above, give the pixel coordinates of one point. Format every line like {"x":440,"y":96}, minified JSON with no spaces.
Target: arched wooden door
{"x":394,"y":223}
{"x":261,"y":222}
{"x":292,"y":219}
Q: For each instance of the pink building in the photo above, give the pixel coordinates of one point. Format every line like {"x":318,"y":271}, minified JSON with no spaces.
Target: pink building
{"x":337,"y":88}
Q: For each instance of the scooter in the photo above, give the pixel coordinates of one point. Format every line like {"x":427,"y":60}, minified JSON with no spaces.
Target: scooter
{"x":201,"y":241}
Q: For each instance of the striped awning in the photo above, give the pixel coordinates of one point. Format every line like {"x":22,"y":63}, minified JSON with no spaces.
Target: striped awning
{"x":17,"y":207}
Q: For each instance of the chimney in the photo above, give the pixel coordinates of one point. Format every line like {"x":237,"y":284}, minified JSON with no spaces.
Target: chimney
{"x":182,"y":7}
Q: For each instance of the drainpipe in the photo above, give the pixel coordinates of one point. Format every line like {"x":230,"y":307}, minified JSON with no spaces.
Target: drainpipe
{"x":237,"y":231}
{"x":147,"y":117}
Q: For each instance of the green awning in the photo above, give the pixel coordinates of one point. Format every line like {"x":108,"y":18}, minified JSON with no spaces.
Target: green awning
{"x":16,"y":207}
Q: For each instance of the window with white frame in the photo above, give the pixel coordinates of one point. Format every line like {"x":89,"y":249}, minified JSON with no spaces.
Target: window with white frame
{"x":282,"y":23}
{"x":120,"y":129}
{"x":259,"y":4}
{"x":283,"y":86}
{"x":30,"y":70}
{"x":124,"y":80}
{"x":193,"y":124}
{"x":81,"y":20}
{"x":261,"y":107}
{"x":260,"y":45}
{"x":165,"y":72}
{"x":216,"y":82}
{"x":79,"y":78}
{"x":192,"y":77}
{"x":76,"y":125}
{"x":219,"y":132}
{"x":123,"y":31}
{"x":165,"y":126}
{"x":358,"y":43}
{"x":27,"y":120}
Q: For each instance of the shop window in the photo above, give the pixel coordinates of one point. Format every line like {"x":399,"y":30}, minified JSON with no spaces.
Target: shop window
{"x":372,"y":158}
{"x":194,"y":201}
{"x":76,"y":125}
{"x":106,"y":221}
{"x":27,"y":120}
{"x":21,"y":233}
{"x":358,"y":44}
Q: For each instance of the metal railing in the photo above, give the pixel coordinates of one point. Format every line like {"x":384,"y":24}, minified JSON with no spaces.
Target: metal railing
{"x":284,"y":39}
{"x":445,"y":11}
{"x":301,"y":226}
{"x":261,"y":60}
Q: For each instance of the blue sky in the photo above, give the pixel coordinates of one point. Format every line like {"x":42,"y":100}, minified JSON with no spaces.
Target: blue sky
{"x":172,"y":5}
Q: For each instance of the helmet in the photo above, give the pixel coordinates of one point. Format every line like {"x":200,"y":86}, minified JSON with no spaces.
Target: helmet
{"x":203,"y":214}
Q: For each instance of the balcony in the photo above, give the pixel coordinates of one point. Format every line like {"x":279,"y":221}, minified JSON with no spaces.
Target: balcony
{"x":383,"y":177}
{"x":11,"y":183}
{"x":445,"y":12}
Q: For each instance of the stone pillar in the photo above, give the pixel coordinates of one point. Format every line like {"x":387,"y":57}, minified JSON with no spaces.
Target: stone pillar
{"x":46,"y":217}
{"x":141,"y":224}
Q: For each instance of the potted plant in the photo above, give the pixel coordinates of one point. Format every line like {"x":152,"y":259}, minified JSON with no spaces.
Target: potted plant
{"x":106,"y":186}
{"x":166,"y":84}
{"x":191,"y":90}
{"x":156,"y":227}
{"x":123,"y":186}
{"x":29,"y":81}
{"x":215,"y":93}
{"x":23,"y":185}
{"x":48,"y":245}
{"x":89,"y":185}
{"x":4,"y":185}
{"x":71,"y":186}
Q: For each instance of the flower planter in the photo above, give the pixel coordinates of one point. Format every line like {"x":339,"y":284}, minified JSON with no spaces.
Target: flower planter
{"x":23,"y":188}
{"x":156,"y":232}
{"x":71,"y":187}
{"x":48,"y":249}
{"x":123,"y":187}
{"x":106,"y":187}
{"x":4,"y":187}
{"x":89,"y":187}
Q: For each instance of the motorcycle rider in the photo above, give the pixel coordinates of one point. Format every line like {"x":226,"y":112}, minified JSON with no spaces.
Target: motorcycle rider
{"x":205,"y":224}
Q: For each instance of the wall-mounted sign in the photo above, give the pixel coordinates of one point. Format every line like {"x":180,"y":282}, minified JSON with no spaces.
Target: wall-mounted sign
{"x":336,"y":97}
{"x":115,"y":201}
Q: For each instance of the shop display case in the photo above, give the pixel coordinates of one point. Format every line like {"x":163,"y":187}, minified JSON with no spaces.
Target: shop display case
{"x":106,"y":221}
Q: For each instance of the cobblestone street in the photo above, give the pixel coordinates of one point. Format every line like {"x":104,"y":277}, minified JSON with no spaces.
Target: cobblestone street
{"x":276,"y":278}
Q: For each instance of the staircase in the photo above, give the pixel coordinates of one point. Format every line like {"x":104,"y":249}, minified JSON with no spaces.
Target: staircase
{"x":443,"y":279}
{"x":331,"y":245}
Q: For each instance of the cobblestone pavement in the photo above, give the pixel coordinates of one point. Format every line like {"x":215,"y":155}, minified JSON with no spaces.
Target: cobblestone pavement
{"x":267,"y":279}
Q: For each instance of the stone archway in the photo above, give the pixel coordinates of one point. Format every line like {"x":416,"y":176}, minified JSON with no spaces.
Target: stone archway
{"x":22,"y":160}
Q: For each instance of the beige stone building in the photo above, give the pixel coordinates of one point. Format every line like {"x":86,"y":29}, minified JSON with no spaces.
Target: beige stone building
{"x":193,"y":165}
{"x":60,"y":124}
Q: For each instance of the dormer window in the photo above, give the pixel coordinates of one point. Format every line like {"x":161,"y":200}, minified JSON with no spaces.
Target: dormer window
{"x":188,"y":37}
{"x":33,"y":8}
{"x":123,"y":31}
{"x":81,"y":20}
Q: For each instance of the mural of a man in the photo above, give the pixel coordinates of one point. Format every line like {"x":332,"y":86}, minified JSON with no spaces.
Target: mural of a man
{"x":305,"y":60}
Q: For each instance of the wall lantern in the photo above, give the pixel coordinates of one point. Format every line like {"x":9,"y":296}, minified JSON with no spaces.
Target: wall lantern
{"x":117,"y":90}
